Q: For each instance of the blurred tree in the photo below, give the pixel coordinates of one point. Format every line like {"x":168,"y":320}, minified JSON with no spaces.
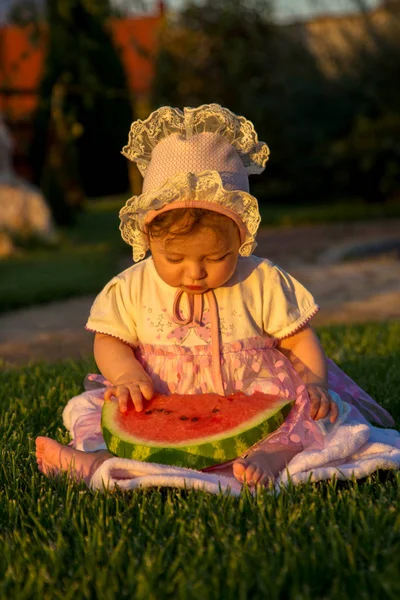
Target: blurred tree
{"x":231,"y":52}
{"x":25,"y":12}
{"x":366,"y":159}
{"x":216,"y":52}
{"x":330,"y":137}
{"x":85,"y":108}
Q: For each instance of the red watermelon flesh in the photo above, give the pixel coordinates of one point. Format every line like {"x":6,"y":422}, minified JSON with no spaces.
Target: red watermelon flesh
{"x":165,"y":420}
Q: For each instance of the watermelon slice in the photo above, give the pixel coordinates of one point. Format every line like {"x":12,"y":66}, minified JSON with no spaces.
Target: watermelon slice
{"x":194,"y":431}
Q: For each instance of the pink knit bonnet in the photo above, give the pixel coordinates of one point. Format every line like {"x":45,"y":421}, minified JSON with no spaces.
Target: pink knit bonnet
{"x":199,"y":157}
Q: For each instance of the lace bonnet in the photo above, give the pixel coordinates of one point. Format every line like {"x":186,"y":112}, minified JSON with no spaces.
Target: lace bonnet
{"x":199,"y":157}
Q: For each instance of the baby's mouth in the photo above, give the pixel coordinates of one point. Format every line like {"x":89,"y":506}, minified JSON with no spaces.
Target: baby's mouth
{"x":196,"y":288}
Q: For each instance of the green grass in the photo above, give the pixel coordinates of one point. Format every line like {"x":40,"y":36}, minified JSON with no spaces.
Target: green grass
{"x":59,"y":541}
{"x":86,"y":257}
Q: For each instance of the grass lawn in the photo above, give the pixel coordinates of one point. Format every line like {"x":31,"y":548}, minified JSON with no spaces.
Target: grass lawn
{"x":88,"y":254}
{"x":85,"y":259}
{"x":329,"y":540}
{"x":352,"y":210}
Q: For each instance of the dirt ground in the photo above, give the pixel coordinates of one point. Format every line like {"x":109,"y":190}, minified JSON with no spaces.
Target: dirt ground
{"x":364,"y":288}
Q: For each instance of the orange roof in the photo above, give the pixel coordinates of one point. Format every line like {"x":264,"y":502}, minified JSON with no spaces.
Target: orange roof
{"x":22,"y":57}
{"x":21,"y":60}
{"x":137,"y":41}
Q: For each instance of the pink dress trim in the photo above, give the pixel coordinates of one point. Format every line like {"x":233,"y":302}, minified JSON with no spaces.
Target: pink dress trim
{"x":300,"y":324}
{"x":255,"y":343}
{"x":117,"y":337}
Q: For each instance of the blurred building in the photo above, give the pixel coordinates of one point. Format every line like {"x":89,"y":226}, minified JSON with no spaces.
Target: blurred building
{"x":22,"y":53}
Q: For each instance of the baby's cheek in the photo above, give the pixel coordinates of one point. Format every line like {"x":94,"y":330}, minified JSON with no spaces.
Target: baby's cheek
{"x":173,"y":275}
{"x":227,"y":270}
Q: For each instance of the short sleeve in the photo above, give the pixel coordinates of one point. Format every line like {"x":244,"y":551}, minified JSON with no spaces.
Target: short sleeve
{"x":287,"y":304}
{"x":113,"y":311}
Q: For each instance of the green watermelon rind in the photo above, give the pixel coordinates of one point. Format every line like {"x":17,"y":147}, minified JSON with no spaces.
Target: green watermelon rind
{"x":217,"y":449}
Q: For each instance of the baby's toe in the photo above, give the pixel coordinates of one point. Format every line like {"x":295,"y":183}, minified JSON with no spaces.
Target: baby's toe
{"x":256,"y":476}
{"x":250,"y":475}
{"x":40,"y":443}
{"x":247,"y":472}
{"x":239,"y":468}
{"x":40,"y":446}
{"x":264,"y":479}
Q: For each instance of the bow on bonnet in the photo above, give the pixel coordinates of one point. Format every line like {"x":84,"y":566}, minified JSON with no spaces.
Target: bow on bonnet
{"x":199,"y":157}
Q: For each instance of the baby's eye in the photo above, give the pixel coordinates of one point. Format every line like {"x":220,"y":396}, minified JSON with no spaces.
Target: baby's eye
{"x":179,"y":260}
{"x":218,"y":259}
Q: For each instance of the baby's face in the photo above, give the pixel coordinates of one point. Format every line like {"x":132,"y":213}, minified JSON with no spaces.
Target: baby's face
{"x":197,"y":262}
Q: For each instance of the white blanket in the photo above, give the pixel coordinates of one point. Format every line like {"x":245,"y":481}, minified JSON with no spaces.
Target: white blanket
{"x":352,"y":448}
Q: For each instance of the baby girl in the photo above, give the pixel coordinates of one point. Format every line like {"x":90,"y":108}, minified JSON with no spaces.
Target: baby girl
{"x":202,"y":314}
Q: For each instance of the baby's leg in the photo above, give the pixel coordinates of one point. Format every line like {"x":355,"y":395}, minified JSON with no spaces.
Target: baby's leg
{"x":262,"y":466}
{"x":53,"y":457}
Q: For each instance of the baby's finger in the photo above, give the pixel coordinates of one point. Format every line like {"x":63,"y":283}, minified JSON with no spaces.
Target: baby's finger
{"x":334,"y":412}
{"x":137,"y":398}
{"x":123,"y":399}
{"x":323,"y":409}
{"x":147,"y":390}
{"x":109,"y":393}
{"x":314,"y":406}
{"x":331,"y":407}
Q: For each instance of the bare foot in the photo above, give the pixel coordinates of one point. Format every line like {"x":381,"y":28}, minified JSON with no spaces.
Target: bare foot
{"x":260,"y":467}
{"x":53,"y":457}
{"x":253,"y":470}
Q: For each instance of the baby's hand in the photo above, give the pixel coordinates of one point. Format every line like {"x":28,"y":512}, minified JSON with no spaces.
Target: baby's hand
{"x":321,"y":403}
{"x":141,"y":387}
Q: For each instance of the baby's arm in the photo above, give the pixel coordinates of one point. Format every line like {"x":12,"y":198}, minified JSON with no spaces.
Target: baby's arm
{"x":118,"y":364}
{"x":305,"y":352}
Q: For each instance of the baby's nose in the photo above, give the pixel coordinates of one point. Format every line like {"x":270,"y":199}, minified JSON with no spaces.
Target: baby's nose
{"x":196,"y":271}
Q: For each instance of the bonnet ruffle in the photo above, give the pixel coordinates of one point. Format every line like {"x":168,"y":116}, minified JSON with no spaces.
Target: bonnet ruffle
{"x":208,"y":186}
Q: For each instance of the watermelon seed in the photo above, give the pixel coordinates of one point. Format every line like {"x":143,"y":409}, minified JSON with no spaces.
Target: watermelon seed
{"x":183,"y":418}
{"x":159,"y":410}
{"x":195,"y":419}
{"x":215,"y":410}
{"x":148,"y":412}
